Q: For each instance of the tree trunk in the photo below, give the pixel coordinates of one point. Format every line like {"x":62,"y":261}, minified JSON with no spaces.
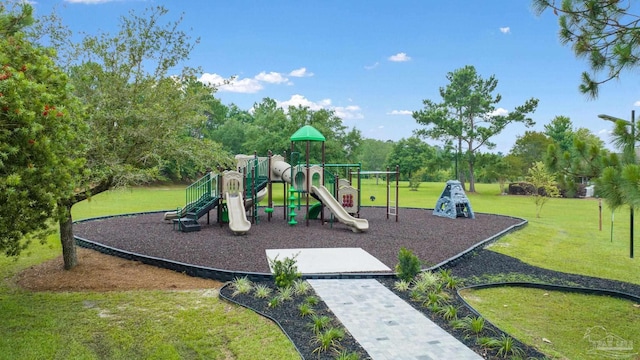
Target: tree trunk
{"x":459,"y":174}
{"x":69,"y":254}
{"x":472,"y":178}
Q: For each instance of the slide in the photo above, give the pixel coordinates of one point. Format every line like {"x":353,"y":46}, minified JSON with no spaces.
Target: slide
{"x":357,"y":225}
{"x":238,"y":222}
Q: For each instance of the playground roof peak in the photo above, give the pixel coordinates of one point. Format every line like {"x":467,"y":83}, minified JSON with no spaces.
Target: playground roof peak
{"x":307,"y":133}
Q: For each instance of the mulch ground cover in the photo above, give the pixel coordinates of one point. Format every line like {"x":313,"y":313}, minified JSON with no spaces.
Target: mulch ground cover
{"x":433,"y":239}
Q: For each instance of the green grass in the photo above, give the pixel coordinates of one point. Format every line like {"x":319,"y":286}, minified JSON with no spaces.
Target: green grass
{"x":562,"y":318}
{"x":132,"y":324}
{"x":137,"y":324}
{"x":131,"y":200}
{"x":192,"y":325}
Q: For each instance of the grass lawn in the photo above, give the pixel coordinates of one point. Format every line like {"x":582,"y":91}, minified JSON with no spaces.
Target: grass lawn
{"x":562,"y":319}
{"x":188,"y":324}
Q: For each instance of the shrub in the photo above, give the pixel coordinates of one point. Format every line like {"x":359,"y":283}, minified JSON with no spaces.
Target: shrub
{"x":408,"y":265}
{"x":521,"y":188}
{"x":285,"y":271}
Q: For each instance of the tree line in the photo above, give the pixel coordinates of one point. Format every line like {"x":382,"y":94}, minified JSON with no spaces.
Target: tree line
{"x":79,"y":118}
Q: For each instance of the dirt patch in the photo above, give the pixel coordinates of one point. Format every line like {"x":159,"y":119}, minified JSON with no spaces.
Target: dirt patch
{"x":99,"y":272}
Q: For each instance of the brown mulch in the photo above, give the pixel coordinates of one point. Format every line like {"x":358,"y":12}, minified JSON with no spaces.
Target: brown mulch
{"x":99,"y":272}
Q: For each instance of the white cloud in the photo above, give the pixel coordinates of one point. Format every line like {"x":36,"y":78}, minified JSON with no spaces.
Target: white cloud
{"x":399,"y":57}
{"x":245,"y":86}
{"x":250,"y":85}
{"x":400,"y":112}
{"x":499,"y":112}
{"x":637,"y":103}
{"x":351,"y":112}
{"x":505,"y":30}
{"x":272,"y":77}
{"x":299,"y":100}
{"x":605,"y":133}
{"x":302,"y":72}
{"x":370,"y":67}
{"x":344,"y":112}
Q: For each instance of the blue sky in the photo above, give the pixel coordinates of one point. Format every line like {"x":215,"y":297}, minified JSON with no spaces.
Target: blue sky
{"x":374,"y":62}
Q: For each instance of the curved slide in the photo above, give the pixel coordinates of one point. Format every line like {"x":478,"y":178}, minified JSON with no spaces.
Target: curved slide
{"x":356,"y":225}
{"x":238,"y":222}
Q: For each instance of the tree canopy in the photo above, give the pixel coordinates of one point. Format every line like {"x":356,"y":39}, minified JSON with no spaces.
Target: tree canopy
{"x":467,"y":114}
{"x":605,"y":33}
{"x":143,"y":109}
{"x":39,"y":133}
{"x":529,"y":148}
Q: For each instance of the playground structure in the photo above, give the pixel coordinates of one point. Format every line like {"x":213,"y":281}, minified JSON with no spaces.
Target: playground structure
{"x":453,"y":202}
{"x":238,"y":192}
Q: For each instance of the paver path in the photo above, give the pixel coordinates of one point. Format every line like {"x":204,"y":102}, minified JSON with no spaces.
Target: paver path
{"x":385,"y":325}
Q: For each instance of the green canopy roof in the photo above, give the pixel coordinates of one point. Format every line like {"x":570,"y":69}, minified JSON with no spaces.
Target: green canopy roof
{"x":307,"y":133}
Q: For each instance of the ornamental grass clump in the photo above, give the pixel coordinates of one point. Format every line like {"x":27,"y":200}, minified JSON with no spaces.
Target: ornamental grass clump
{"x":328,"y":339}
{"x":306,"y":310}
{"x":285,"y":294}
{"x":261,"y":291}
{"x":469,"y":325}
{"x":301,"y":287}
{"x":319,"y":323}
{"x":241,"y":286}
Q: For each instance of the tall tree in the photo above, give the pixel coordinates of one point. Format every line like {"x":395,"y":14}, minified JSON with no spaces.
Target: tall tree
{"x":273,"y":127}
{"x":604,"y":32}
{"x":141,"y":115}
{"x":467,"y":114}
{"x":411,"y":154}
{"x":39,"y":133}
{"x":582,"y":161}
{"x":271,"y":131}
{"x":560,"y":130}
{"x":530,"y":147}
{"x":374,"y":153}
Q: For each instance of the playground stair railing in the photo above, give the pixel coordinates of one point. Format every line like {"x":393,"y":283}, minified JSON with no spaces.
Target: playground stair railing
{"x":201,"y":197}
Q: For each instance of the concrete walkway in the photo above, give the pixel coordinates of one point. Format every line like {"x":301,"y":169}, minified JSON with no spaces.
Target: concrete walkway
{"x":385,"y":325}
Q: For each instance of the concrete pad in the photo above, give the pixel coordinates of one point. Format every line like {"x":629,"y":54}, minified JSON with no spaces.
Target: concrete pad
{"x":330,"y":260}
